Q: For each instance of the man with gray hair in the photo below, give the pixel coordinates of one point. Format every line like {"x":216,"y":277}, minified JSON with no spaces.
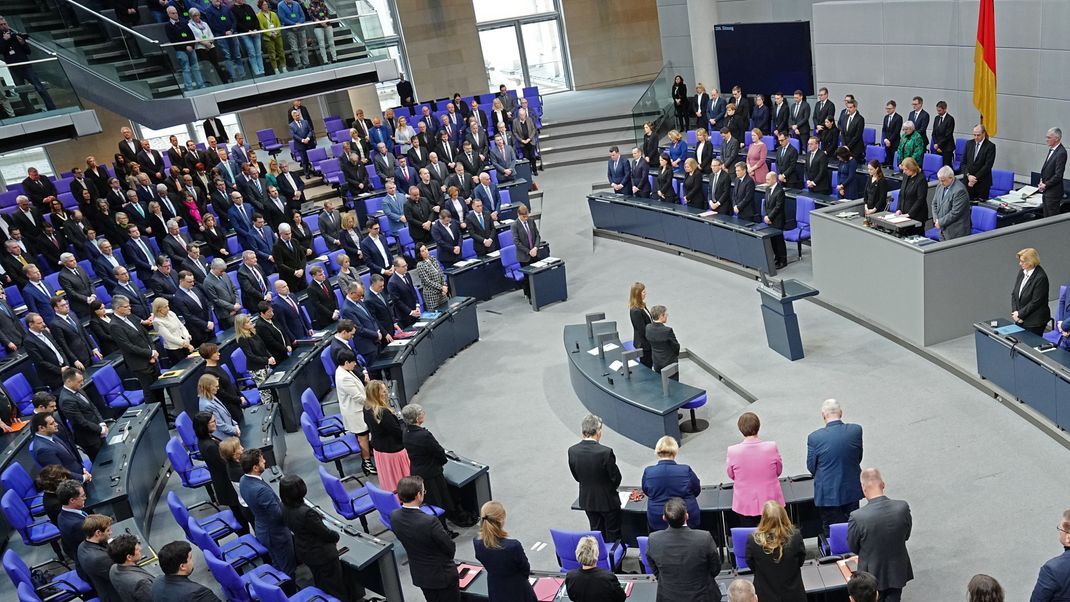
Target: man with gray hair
{"x":951,"y":206}
{"x":741,"y":590}
{"x":219,"y":289}
{"x":427,"y":458}
{"x":594,"y":466}
{"x":176,"y":244}
{"x":1051,"y":173}
{"x":135,"y":343}
{"x":834,"y":457}
{"x":290,"y":259}
{"x":354,"y":176}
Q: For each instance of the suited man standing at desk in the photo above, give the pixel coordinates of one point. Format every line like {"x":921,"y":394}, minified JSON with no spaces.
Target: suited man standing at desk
{"x":878,"y":533}
{"x":403,"y":292}
{"x":77,"y":285}
{"x":853,"y":126}
{"x":720,"y":188}
{"x":594,"y":467}
{"x":951,"y":206}
{"x":1029,"y":298}
{"x":787,"y":163}
{"x":264,"y":504}
{"x":50,"y":447}
{"x":743,"y":195}
{"x":1051,"y":173}
{"x":664,"y":348}
{"x":617,"y":172}
{"x":834,"y":458}
{"x":977,"y":161}
{"x":67,"y":330}
{"x":775,"y":217}
{"x":818,"y":179}
{"x":139,"y":351}
{"x":87,"y":425}
{"x":447,"y":237}
{"x":49,"y":355}
{"x":800,"y":118}
{"x":639,"y":176}
{"x":428,"y":544}
{"x":527,"y":240}
{"x":684,"y":560}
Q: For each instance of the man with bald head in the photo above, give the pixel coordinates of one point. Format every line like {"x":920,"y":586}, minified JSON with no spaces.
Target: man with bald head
{"x":878,"y":533}
{"x":741,"y":590}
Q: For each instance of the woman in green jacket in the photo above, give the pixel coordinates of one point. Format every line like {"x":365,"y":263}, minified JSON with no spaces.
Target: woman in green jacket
{"x":911,"y":144}
{"x":274,"y":54}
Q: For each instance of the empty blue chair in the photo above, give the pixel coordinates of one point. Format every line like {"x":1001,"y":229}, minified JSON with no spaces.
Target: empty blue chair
{"x":266,"y":591}
{"x":795,"y":142}
{"x":642,"y":541}
{"x":250,"y":396}
{"x":565,"y":548}
{"x":803,"y":206}
{"x":1053,"y":335}
{"x":65,"y":586}
{"x":14,"y":297}
{"x":893,"y":206}
{"x":507,"y":199}
{"x":468,"y":249}
{"x":237,"y":587}
{"x":107,"y":382}
{"x":692,"y":140}
{"x":505,"y":238}
{"x":511,"y":265}
{"x":236,"y":552}
{"x":20,"y":392}
{"x":192,"y":476}
{"x":1002,"y":183}
{"x":373,"y":205}
{"x":715,"y":139}
{"x":33,"y":533}
{"x":15,"y":478}
{"x":354,"y":504}
{"x":241,"y":371}
{"x":869,"y":136}
{"x":930,"y":164}
{"x":983,"y":219}
{"x":960,"y":148}
{"x":327,"y":426}
{"x":739,"y":545}
{"x":838,"y":539}
{"x":316,"y":156}
{"x":874,"y":153}
{"x":329,"y":451}
{"x":268,"y":141}
{"x":386,"y":502}
{"x":328,"y":363}
{"x":217,"y":525}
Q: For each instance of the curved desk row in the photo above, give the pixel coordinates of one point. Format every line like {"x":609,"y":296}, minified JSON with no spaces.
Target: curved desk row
{"x":728,"y":238}
{"x":636,"y":407}
{"x":409,"y":362}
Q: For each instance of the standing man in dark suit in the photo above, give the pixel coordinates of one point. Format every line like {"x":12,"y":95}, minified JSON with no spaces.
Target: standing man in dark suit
{"x":137,"y":251}
{"x":775,"y":217}
{"x":77,"y":285}
{"x":817,"y":168}
{"x":685,"y":561}
{"x":27,"y":218}
{"x":639,"y":176}
{"x":730,"y":149}
{"x":128,"y":145}
{"x":403,"y":292}
{"x":743,"y":194}
{"x":49,"y":447}
{"x":12,"y":334}
{"x":594,"y":466}
{"x":824,"y":109}
{"x":289,"y":312}
{"x":37,"y":294}
{"x":617,"y":172}
{"x":163,"y":282}
{"x":527,"y":239}
{"x":176,"y":563}
{"x":252,"y":282}
{"x":920,"y":118}
{"x":781,"y":114}
{"x":1053,"y":582}
{"x":1029,"y":297}
{"x":427,"y":542}
{"x":264,"y":504}
{"x":715,"y":115}
{"x":291,"y":187}
{"x":67,"y":330}
{"x":139,"y":303}
{"x":787,"y":163}
{"x":290,"y":259}
{"x":191,"y":304}
{"x":481,"y":229}
{"x":720,"y":188}
{"x":49,"y":355}
{"x":303,"y":138}
{"x":376,"y":251}
{"x":151,"y":162}
{"x":800,"y":118}
{"x":139,"y":352}
{"x":1051,"y":173}
{"x":878,"y":533}
{"x":890,"y":132}
{"x":834,"y":458}
{"x":378,"y":304}
{"x":853,"y":126}
{"x":977,"y":161}
{"x":664,"y":348}
{"x":944,"y":133}
{"x":87,"y":425}
{"x":320,"y":300}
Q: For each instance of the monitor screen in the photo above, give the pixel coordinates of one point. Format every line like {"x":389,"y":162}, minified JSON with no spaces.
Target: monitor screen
{"x":765,"y":58}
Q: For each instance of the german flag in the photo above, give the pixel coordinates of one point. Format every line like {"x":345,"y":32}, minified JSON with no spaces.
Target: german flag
{"x":984,"y":66}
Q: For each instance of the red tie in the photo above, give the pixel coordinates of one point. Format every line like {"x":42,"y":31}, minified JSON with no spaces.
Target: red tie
{"x":293,"y":305}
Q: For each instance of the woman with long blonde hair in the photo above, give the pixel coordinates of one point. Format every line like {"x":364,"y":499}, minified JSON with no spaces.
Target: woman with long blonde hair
{"x":640,"y":317}
{"x":775,"y":553}
{"x":384,"y":427}
{"x":503,"y":558}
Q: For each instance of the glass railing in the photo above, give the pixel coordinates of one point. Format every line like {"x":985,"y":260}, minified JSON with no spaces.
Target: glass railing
{"x":655,"y":104}
{"x":34,"y":89}
{"x":140,"y":59}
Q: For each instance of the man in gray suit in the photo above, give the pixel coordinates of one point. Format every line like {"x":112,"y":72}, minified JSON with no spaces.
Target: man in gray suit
{"x":503,"y":157}
{"x":130,"y":581}
{"x":878,"y":533}
{"x":219,"y":289}
{"x":685,"y":561}
{"x":951,"y":206}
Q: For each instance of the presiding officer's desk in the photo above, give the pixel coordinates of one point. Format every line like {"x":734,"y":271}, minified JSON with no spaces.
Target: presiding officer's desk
{"x":128,"y":468}
{"x":728,"y":238}
{"x":1012,"y":362}
{"x":409,"y":362}
{"x":930,"y":292}
{"x":635,"y":407}
{"x":301,"y":370}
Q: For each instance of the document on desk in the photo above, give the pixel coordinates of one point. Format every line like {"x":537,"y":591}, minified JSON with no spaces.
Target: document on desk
{"x":847,"y":214}
{"x":465,"y":263}
{"x":897,"y":219}
{"x":617,"y":364}
{"x":1009,"y":329}
{"x":707,"y":213}
{"x":398,"y":343}
{"x":624,"y":497}
{"x":494,"y":254}
{"x":117,"y":439}
{"x":606,"y":347}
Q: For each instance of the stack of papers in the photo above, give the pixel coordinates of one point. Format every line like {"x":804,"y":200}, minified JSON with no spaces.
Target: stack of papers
{"x":546,"y":262}
{"x":606,"y":347}
{"x":398,"y":342}
{"x":897,"y":219}
{"x":617,"y":364}
{"x":494,"y":254}
{"x":465,"y":263}
{"x":847,"y":214}
{"x":508,"y":221}
{"x":707,"y":213}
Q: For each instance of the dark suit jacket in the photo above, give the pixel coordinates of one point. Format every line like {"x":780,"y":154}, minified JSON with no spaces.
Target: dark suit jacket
{"x":139,"y":305}
{"x":196,"y":316}
{"x":57,"y":451}
{"x":314,"y":543}
{"x":891,"y":130}
{"x":721,"y":192}
{"x":664,"y":347}
{"x":1053,"y":582}
{"x":1032,"y":303}
{"x":287,"y":192}
{"x":429,"y":547}
{"x":878,"y":533}
{"x":11,"y":328}
{"x":445,"y":243}
{"x":37,"y":302}
{"x":266,"y":508}
{"x":704,"y":156}
{"x":834,"y":457}
{"x":774,"y":206}
{"x":686,"y":564}
{"x":78,"y":287}
{"x":289,"y":261}
{"x":639,"y":318}
{"x":104,"y":270}
{"x":822,"y":110}
{"x":730,"y":152}
{"x":493,"y":201}
{"x":405,"y":300}
{"x":507,"y":569}
{"x":787,"y":165}
{"x":48,"y":367}
{"x":921,"y":123}
{"x":83,"y":416}
{"x":275,"y":337}
{"x":30,"y":229}
{"x":913,"y":199}
{"x":852,"y":136}
{"x":639,"y":178}
{"x":780,"y":117}
{"x":251,"y":291}
{"x":321,"y":304}
{"x":14,"y":268}
{"x":70,"y":529}
{"x":801,"y":118}
{"x":777,"y":576}
{"x":594,"y":584}
{"x":74,"y":338}
{"x":135,"y":344}
{"x":817,"y":171}
{"x":176,"y":588}
{"x":694,"y":195}
{"x":665,"y":480}
{"x":293,"y":321}
{"x":1051,"y":173}
{"x":617,"y":172}
{"x":944,"y":133}
{"x":379,"y":307}
{"x":426,"y":455}
{"x":372,"y":258}
{"x":163,"y":285}
{"x":520,"y":239}
{"x":594,"y":466}
{"x":480,"y":234}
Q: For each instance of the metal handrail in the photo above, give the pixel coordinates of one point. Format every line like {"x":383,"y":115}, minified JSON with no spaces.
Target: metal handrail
{"x":33,"y":62}
{"x":122,"y":27}
{"x":263,"y":31}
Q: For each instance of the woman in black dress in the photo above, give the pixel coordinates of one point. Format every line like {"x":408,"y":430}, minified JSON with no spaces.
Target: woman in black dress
{"x":208,"y":446}
{"x":301,"y":232}
{"x":591,"y":583}
{"x":503,"y":558}
{"x":640,"y":317}
{"x":775,"y":553}
{"x":679,"y":102}
{"x":663,"y":181}
{"x":314,"y":543}
{"x":876,"y":189}
{"x":215,"y":239}
{"x":693,"y":191}
{"x":830,"y":138}
{"x":228,"y":391}
{"x":913,"y":194}
{"x":100,"y":328}
{"x":650,"y":145}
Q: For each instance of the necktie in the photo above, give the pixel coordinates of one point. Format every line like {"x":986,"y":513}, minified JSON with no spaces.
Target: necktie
{"x":261,"y":233}
{"x":977,"y":151}
{"x":48,"y":342}
{"x":479,"y":216}
{"x":194,"y":296}
{"x":289,"y":246}
{"x":22,"y":259}
{"x":180,"y":242}
{"x":293,"y":305}
{"x":259,"y":280}
{"x":531,"y":241}
{"x":144,"y":250}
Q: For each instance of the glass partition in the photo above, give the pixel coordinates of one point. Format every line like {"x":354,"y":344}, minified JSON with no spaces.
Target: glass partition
{"x":655,"y":103}
{"x":33,"y":89}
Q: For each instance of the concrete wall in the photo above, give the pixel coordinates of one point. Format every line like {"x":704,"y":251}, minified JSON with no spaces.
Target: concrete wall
{"x":882,"y":49}
{"x":611,"y":42}
{"x":444,"y":51}
{"x":103,"y":146}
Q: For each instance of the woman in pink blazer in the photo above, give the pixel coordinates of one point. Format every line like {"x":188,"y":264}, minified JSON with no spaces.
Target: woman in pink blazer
{"x":754,"y":465}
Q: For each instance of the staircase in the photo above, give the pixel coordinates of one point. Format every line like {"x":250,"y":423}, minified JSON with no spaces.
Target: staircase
{"x":585,"y":140}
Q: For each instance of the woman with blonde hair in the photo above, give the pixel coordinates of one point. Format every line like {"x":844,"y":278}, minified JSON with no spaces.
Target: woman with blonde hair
{"x":667,"y":479}
{"x":1029,"y":297}
{"x":503,"y":558}
{"x":640,"y":317}
{"x":677,"y":151}
{"x":775,"y":552}
{"x":694,"y":195}
{"x":590,"y":582}
{"x":384,"y":426}
{"x":207,"y":388}
{"x":165,"y":323}
{"x":258,"y":360}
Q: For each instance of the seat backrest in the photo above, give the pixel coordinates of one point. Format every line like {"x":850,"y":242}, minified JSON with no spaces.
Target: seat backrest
{"x":385,"y":502}
{"x":642,"y":541}
{"x":200,"y":538}
{"x":184,"y":426}
{"x":1002,"y":179}
{"x":107,"y":381}
{"x":20,"y":391}
{"x":838,"y":539}
{"x":565,"y":547}
{"x":180,"y":462}
{"x":1059,"y":314}
{"x":237,"y":361}
{"x":267,"y":592}
{"x":266,"y":136}
{"x":983,"y":218}
{"x":16,"y":569}
{"x":27,"y":593}
{"x":308,"y":427}
{"x":803,"y":206}
{"x":18,"y":480}
{"x":17,"y":514}
{"x":739,"y":545}
{"x":178,"y":511}
{"x":311,"y":405}
{"x":337,"y":492}
{"x":227,"y":578}
{"x":328,"y":363}
{"x":509,"y":257}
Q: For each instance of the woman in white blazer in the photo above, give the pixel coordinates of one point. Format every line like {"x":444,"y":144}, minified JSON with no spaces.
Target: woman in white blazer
{"x":350,"y":385}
